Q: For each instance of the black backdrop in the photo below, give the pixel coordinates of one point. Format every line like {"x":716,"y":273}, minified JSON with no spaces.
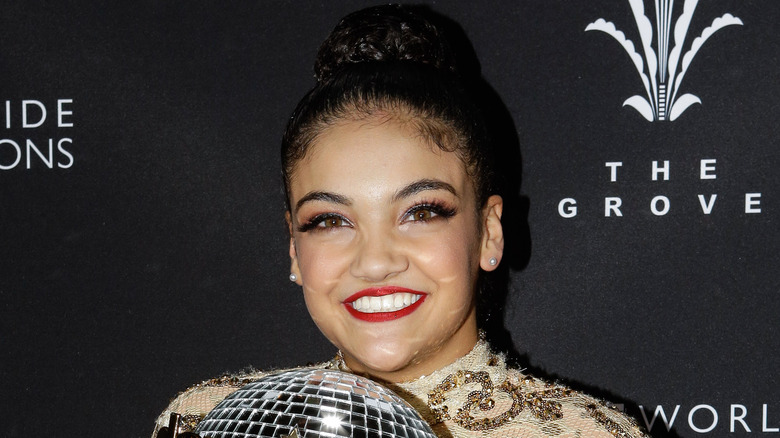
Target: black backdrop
{"x":146,"y":251}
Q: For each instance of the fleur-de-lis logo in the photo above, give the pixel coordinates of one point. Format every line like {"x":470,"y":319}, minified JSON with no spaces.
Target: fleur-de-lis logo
{"x":664,"y":72}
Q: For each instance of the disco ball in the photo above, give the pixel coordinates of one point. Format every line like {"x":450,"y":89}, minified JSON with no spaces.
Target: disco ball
{"x":313,"y":403}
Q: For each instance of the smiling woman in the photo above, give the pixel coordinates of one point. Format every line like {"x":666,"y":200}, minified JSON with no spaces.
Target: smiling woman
{"x":393,"y":218}
{"x":394,"y":221}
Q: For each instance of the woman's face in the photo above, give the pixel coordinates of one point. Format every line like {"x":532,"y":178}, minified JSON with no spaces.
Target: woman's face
{"x":387,"y":242}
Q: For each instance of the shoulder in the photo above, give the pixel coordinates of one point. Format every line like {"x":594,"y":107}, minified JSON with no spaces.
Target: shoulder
{"x":553,"y":407}
{"x":519,"y":405}
{"x":198,"y":400}
{"x":480,"y":396}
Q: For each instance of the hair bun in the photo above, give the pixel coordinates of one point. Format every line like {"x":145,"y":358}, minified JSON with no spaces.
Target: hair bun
{"x":383,"y":34}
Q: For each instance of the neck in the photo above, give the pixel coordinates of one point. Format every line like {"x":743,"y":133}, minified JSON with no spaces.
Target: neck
{"x":437,"y":357}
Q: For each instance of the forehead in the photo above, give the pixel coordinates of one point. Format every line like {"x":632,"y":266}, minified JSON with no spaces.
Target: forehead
{"x":375,"y":156}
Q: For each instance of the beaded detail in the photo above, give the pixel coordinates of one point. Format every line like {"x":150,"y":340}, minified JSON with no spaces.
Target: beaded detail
{"x":482,"y":398}
{"x":226,"y":380}
{"x":188,"y":423}
{"x":601,"y":418}
{"x":538,"y":402}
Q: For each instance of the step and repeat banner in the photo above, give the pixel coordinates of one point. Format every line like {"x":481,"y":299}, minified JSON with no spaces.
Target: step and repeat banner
{"x":141,"y":209}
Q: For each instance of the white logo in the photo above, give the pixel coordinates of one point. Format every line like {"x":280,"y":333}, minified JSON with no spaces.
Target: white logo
{"x":705,"y":418}
{"x":662,"y":79}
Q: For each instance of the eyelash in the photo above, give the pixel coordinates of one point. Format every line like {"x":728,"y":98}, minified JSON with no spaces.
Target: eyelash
{"x":314,"y":223}
{"x":438,"y":209}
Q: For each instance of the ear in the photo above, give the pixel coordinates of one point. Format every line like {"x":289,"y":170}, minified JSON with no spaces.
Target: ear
{"x":492,"y":245}
{"x":294,"y":269}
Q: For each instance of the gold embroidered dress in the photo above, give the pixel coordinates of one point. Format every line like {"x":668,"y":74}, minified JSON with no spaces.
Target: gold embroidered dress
{"x":476,"y":396}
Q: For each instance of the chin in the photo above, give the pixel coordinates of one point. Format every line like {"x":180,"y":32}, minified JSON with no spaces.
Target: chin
{"x":380,"y":357}
{"x":387,"y":363}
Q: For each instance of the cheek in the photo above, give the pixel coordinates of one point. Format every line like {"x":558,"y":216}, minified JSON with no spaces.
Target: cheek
{"x":321,"y":265}
{"x":451,"y":257}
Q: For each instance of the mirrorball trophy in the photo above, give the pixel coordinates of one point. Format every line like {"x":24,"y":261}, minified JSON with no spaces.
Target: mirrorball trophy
{"x":313,"y":403}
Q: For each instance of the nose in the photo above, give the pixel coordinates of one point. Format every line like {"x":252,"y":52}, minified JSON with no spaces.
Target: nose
{"x":379,"y":256}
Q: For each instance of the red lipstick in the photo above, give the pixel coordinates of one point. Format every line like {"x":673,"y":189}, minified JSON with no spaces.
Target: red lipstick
{"x":380,"y":292}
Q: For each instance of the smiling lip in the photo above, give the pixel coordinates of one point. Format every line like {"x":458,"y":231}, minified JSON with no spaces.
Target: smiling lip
{"x":372,"y":304}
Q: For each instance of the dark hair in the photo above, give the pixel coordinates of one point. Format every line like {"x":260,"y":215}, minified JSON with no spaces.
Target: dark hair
{"x":389,"y":60}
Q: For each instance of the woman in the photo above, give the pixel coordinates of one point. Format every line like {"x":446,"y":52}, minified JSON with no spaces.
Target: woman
{"x":392,"y":218}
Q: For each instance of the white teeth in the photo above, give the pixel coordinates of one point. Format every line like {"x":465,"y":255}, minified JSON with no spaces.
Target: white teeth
{"x":385,"y":303}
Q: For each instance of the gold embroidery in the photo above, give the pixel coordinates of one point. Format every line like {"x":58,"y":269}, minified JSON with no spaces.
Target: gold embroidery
{"x":466,"y":420}
{"x":180,"y":426}
{"x":545,"y":409}
{"x":611,"y":426}
{"x":537,"y":401}
{"x":226,"y":380}
{"x":188,"y":423}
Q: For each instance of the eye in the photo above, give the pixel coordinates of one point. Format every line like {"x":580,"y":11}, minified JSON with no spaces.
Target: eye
{"x":427,"y":212}
{"x":325,"y":222}
{"x":332,"y":222}
{"x":422,"y":214}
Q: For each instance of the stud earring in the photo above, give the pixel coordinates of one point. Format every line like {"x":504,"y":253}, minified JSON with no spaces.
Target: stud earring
{"x":493,"y":261}
{"x":293,"y":277}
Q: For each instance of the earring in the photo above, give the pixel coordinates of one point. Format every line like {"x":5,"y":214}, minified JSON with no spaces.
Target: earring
{"x":493,"y":261}
{"x":293,"y":277}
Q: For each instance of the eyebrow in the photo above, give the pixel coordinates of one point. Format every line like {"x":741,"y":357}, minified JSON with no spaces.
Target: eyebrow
{"x":323,"y":196}
{"x":410,"y":190}
{"x":422,"y":186}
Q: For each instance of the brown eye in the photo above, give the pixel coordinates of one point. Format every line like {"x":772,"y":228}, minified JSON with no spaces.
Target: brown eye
{"x":428,"y":212}
{"x":325,"y":222}
{"x":422,"y":215}
{"x":333,"y":222}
